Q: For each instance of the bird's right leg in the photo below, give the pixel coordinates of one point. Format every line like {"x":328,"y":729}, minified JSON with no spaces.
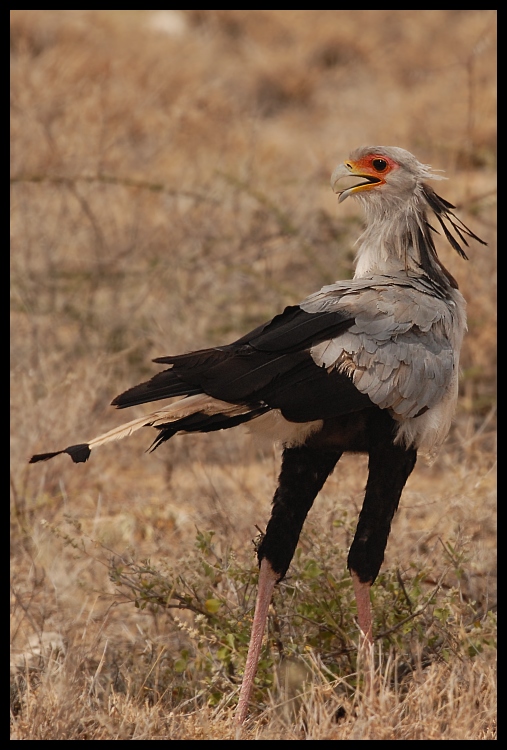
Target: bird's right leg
{"x":304,"y":471}
{"x":389,"y":467}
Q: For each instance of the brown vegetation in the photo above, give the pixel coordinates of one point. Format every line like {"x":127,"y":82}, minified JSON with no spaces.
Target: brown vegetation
{"x":170,"y":191}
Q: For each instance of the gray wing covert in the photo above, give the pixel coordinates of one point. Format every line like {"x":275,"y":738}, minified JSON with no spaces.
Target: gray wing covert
{"x":399,"y":350}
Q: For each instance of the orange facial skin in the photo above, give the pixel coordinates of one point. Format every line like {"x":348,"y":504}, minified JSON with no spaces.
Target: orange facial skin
{"x":362,"y":174}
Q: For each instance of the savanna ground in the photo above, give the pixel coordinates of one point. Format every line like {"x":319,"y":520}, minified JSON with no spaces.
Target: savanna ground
{"x":170,"y":191}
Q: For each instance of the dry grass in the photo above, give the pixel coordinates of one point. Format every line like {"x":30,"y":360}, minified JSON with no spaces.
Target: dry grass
{"x":170,"y":191}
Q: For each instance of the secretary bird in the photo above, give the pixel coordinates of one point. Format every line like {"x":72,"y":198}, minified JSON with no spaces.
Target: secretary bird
{"x":364,"y":365}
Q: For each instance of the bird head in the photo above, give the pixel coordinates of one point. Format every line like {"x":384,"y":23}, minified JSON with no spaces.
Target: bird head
{"x":390,"y":183}
{"x":378,"y":173}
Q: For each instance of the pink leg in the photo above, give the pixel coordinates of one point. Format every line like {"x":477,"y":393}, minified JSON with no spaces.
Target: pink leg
{"x":365,"y":661}
{"x":362,"y":593}
{"x":267,"y":580}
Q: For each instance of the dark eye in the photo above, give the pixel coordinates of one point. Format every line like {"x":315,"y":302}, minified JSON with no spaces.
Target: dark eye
{"x":379,"y":164}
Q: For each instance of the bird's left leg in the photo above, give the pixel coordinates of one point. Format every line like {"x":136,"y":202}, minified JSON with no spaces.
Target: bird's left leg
{"x":304,"y":471}
{"x":389,"y":467}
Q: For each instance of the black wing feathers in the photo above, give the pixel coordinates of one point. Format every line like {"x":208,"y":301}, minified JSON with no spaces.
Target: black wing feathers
{"x":270,"y":365}
{"x":308,"y":392}
{"x":162,"y":385}
{"x":295,"y":329}
{"x":199,"y":422}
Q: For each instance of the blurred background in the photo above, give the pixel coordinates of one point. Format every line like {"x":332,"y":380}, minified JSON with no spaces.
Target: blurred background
{"x":170,"y":191}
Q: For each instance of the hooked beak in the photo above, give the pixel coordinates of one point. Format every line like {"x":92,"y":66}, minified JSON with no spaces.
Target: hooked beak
{"x":346,"y":181}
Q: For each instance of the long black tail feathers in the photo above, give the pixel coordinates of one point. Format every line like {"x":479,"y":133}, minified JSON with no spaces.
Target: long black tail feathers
{"x":78,"y":453}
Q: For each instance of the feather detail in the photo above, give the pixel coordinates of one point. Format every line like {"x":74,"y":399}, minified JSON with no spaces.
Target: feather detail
{"x":201,"y":404}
